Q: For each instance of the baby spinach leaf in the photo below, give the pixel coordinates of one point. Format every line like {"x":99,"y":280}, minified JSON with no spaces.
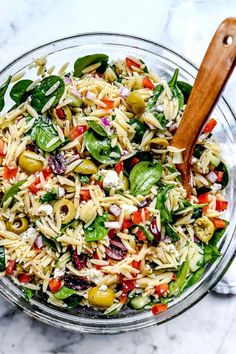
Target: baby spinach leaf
{"x":185,"y":88}
{"x":218,"y":234}
{"x":193,"y":278}
{"x":84,"y":179}
{"x":64,"y":293}
{"x":144,"y":176}
{"x":73,"y":301}
{"x":12,"y":191}
{"x":176,"y":286}
{"x":198,"y":150}
{"x":140,"y":129}
{"x":97,"y":128}
{"x":50,"y":243}
{"x":48,"y":197}
{"x":84,"y":62}
{"x":3,"y":90}
{"x":221,"y":167}
{"x":100,"y":148}
{"x":28,"y":293}
{"x":161,"y":119}
{"x":160,"y":203}
{"x":73,"y":224}
{"x":43,"y":133}
{"x":39,"y":98}
{"x":171,"y":233}
{"x":97,"y":230}
{"x":2,"y":259}
{"x":18,"y":92}
{"x":211,"y":253}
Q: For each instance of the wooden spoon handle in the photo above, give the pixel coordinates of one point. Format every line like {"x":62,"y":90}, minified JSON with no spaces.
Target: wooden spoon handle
{"x":216,"y":68}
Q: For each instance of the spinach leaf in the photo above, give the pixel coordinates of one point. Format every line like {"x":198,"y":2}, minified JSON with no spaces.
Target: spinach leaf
{"x":48,"y":197}
{"x":211,"y":253}
{"x":43,"y":133}
{"x":221,"y":167}
{"x":12,"y":191}
{"x":144,"y":176}
{"x":73,"y":301}
{"x":198,"y":150}
{"x":73,"y":224}
{"x":28,"y":293}
{"x":161,"y":119}
{"x":97,"y":230}
{"x":145,"y":70}
{"x":3,"y":90}
{"x":162,"y":196}
{"x":171,"y":233}
{"x":64,"y":293}
{"x":18,"y":92}
{"x":100,"y":148}
{"x":147,"y":233}
{"x":50,"y":243}
{"x":176,"y":286}
{"x":84,"y":179}
{"x":218,"y":234}
{"x":82,"y":63}
{"x":97,"y":128}
{"x":39,"y":98}
{"x":2,"y":259}
{"x":193,"y":278}
{"x":185,"y":88}
{"x":140,"y":129}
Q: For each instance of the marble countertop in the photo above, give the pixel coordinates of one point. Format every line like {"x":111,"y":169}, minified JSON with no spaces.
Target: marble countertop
{"x":185,"y":26}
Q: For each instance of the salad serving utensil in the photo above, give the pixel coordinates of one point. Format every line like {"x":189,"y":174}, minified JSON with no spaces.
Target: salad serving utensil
{"x":215,"y":70}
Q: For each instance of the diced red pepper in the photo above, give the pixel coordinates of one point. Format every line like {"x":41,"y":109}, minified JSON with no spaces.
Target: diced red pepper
{"x":99,"y":183}
{"x":204,"y":199}
{"x":128,"y":285}
{"x":137,"y":216}
{"x":161,"y":289}
{"x":46,"y":172}
{"x":34,"y":188}
{"x":112,"y":233}
{"x":127,"y":223}
{"x":159,"y":308}
{"x":174,"y":276}
{"x":221,"y":205}
{"x":85,"y":194}
{"x":2,"y":148}
{"x":10,"y":267}
{"x":109,"y":103}
{"x":134,"y":161}
{"x":136,"y":264}
{"x":9,"y":173}
{"x":147,"y":83}
{"x":130,"y":62}
{"x":123,"y":298}
{"x":98,"y":74}
{"x":219,"y":223}
{"x":24,"y":278}
{"x":119,"y":167}
{"x":219,"y":175}
{"x":209,"y":126}
{"x":55,"y":285}
{"x":141,"y":235}
{"x":60,"y":113}
{"x":77,"y":131}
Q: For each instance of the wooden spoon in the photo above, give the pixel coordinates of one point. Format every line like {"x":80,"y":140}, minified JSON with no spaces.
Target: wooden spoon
{"x":215,"y":70}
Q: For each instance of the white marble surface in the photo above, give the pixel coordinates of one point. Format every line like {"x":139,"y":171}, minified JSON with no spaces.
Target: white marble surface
{"x":186,"y":26}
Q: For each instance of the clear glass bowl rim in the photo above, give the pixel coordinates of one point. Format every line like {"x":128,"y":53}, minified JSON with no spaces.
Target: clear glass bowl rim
{"x":138,"y":320}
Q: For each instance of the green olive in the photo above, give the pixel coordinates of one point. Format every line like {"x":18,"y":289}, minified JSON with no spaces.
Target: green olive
{"x":204,"y":229}
{"x":136,"y":102}
{"x":66,"y":209}
{"x":125,"y":182}
{"x":18,"y":225}
{"x":87,"y":167}
{"x":159,"y":141}
{"x":62,"y":115}
{"x":75,"y":101}
{"x":28,"y":163}
{"x":100,"y":297}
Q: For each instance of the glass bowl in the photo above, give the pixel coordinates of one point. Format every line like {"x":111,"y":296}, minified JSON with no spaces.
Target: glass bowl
{"x":163,"y":61}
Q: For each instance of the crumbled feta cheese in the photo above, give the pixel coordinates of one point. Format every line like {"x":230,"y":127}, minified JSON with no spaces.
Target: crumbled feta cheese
{"x":103,"y":287}
{"x":58,"y":272}
{"x":61,"y":192}
{"x":111,"y":180}
{"x":44,"y":209}
{"x":29,"y":234}
{"x":95,"y":275}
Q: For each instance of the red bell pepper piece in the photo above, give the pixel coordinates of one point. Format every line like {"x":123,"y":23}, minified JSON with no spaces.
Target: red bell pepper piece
{"x":219,"y":223}
{"x":55,"y":285}
{"x":35,"y":187}
{"x":147,"y":83}
{"x":204,"y":199}
{"x":109,"y":103}
{"x":119,"y":167}
{"x":141,"y":235}
{"x":136,"y":264}
{"x":126,"y":224}
{"x":221,"y":205}
{"x":10,"y":267}
{"x":128,"y":285}
{"x":137,"y":216}
{"x":159,"y":308}
{"x":161,"y":289}
{"x":219,"y":175}
{"x":9,"y":173}
{"x":210,"y":125}
{"x":134,"y":161}
{"x":85,"y":194}
{"x":129,"y":62}
{"x":24,"y":278}
{"x":77,"y":131}
{"x":2,"y":148}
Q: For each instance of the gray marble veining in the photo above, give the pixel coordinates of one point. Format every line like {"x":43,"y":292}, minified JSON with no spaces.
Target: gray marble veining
{"x":186,"y":26}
